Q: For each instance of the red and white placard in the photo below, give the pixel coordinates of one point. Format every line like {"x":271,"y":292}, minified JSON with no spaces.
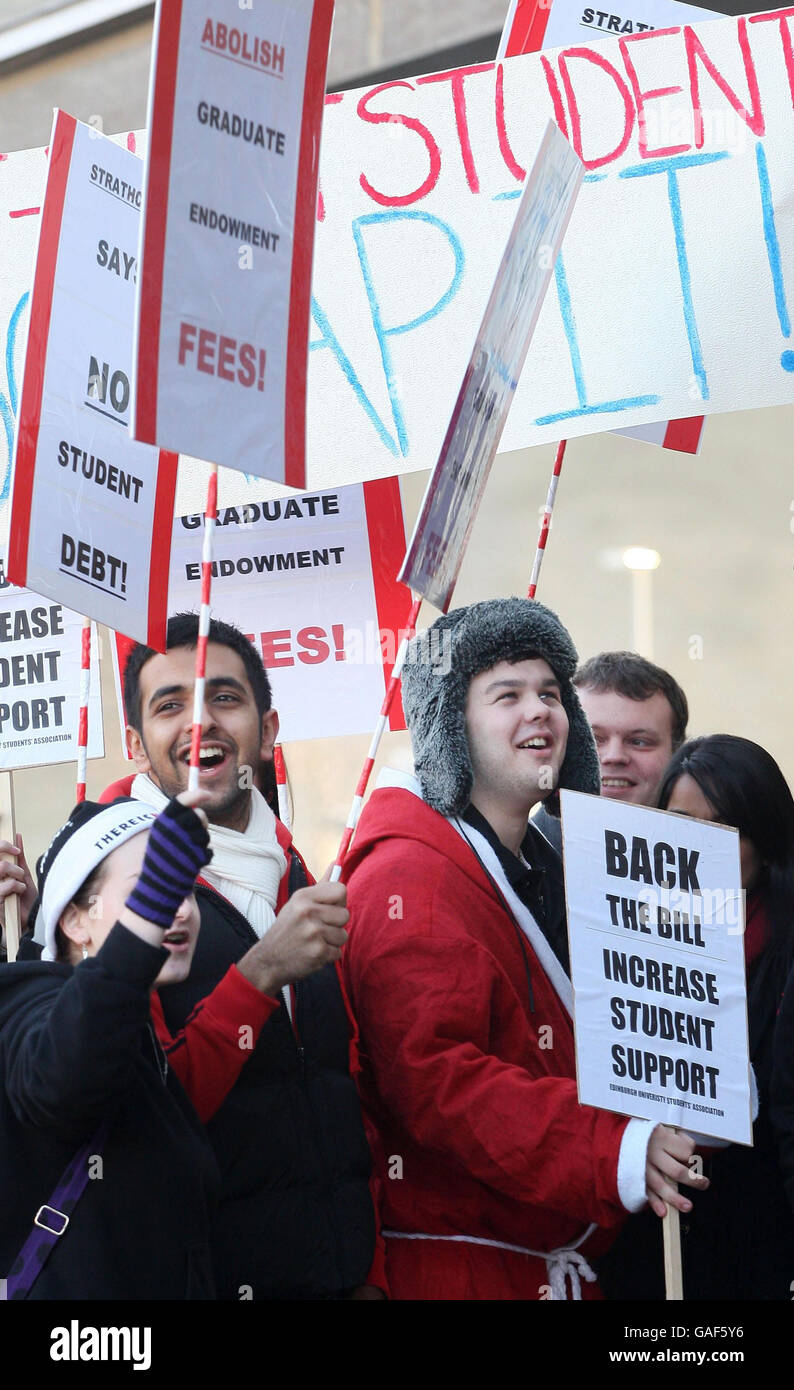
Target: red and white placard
{"x":311,"y":580}
{"x":91,"y":510}
{"x":458,"y":480}
{"x":222,"y":325}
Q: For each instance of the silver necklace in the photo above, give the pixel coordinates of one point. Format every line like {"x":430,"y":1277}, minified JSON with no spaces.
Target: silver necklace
{"x":159,"y":1056}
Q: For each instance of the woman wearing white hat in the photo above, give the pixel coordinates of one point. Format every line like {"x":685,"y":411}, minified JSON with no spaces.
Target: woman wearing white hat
{"x":108,"y":1179}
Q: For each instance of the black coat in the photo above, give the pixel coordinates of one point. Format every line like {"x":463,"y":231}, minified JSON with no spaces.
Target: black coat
{"x":77,"y":1046}
{"x":783,"y":1090}
{"x":738,"y":1240}
{"x":296,"y":1217}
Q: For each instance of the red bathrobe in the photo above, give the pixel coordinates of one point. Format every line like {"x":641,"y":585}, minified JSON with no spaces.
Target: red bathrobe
{"x":470,"y":1096}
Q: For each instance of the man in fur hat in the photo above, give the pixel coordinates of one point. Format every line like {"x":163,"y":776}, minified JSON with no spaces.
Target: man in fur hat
{"x":495,"y":1179}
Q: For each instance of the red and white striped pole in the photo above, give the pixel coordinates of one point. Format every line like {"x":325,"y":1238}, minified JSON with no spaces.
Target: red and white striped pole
{"x":380,"y":727}
{"x":210,"y":517}
{"x":82,"y":719}
{"x":546,"y":521}
{"x":280,"y":768}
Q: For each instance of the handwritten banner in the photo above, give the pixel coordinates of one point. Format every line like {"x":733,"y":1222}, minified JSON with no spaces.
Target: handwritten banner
{"x":536,"y":24}
{"x":671,"y":299}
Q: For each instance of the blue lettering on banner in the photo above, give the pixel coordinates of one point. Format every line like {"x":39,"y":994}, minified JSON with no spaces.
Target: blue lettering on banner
{"x":8,"y":404}
{"x":382,"y":332}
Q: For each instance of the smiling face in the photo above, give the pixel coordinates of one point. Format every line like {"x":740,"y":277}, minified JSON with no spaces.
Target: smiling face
{"x":234,"y":737}
{"x":634,"y":739}
{"x":517,"y":732}
{"x":89,"y":926}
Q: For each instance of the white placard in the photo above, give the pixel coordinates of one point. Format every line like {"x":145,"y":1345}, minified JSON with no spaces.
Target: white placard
{"x":458,"y":480}
{"x":311,"y":580}
{"x":660,"y":1010}
{"x":40,"y":651}
{"x":91,"y":513}
{"x":222,"y":323}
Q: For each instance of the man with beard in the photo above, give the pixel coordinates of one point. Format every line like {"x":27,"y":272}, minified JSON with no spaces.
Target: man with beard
{"x":297,"y":1218}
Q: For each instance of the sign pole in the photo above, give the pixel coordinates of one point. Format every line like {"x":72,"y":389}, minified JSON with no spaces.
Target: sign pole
{"x":12,"y":901}
{"x":282,"y":787}
{"x":210,"y":517}
{"x":671,"y":1234}
{"x":82,"y":719}
{"x":545,"y":524}
{"x":388,"y":700}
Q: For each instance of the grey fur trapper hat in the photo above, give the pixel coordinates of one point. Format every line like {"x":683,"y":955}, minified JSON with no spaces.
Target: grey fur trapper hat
{"x":441,"y":664}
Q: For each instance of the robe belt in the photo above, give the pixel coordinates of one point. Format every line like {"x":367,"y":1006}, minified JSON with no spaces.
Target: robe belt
{"x":561,"y":1264}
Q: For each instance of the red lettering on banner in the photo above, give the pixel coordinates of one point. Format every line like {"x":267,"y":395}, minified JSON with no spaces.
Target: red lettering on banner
{"x":456,"y":80}
{"x":315,"y":649}
{"x":641,"y":97}
{"x":783,"y":16}
{"x":331,"y":99}
{"x":313,"y":645}
{"x":276,"y":649}
{"x":590,"y":55}
{"x":554,"y":93}
{"x":501,"y":129}
{"x":224,"y":357}
{"x":695,"y":50}
{"x":384,"y":118}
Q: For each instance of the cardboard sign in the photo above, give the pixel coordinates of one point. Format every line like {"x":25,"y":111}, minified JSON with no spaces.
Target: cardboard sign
{"x":40,"y":645}
{"x":222,"y":325}
{"x":455,"y":489}
{"x":91,"y":512}
{"x":536,"y":24}
{"x":667,"y":296}
{"x":311,"y":580}
{"x":656,"y":929}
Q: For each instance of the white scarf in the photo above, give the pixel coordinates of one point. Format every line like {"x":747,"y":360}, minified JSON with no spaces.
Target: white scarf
{"x":389,"y":777}
{"x":247,"y":865}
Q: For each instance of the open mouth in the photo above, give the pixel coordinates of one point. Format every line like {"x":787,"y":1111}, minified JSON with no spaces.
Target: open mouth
{"x":616,"y":783}
{"x":210,"y":757}
{"x":177,"y":939}
{"x":538,"y":743}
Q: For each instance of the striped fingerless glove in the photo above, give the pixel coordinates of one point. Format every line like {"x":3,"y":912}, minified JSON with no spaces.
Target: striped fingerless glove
{"x":177,"y":850}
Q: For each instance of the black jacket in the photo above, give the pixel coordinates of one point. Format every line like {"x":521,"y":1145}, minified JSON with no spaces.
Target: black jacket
{"x":738,"y":1240}
{"x":77,"y":1046}
{"x":296,"y":1217}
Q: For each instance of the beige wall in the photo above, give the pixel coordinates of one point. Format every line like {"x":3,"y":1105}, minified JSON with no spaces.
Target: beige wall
{"x":722,"y":523}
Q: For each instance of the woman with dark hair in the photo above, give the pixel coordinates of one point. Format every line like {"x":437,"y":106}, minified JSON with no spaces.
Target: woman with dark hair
{"x":738,"y":1240}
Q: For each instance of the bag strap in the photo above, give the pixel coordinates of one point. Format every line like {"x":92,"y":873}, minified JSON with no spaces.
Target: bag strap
{"x":52,"y":1219}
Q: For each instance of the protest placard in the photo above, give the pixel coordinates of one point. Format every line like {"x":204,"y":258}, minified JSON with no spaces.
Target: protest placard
{"x":222,"y":322}
{"x":535,"y":24}
{"x":91,"y":510}
{"x":671,"y":300}
{"x":40,"y":645}
{"x":656,"y":929}
{"x":673,"y":297}
{"x":311,"y":580}
{"x":456,"y":485}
